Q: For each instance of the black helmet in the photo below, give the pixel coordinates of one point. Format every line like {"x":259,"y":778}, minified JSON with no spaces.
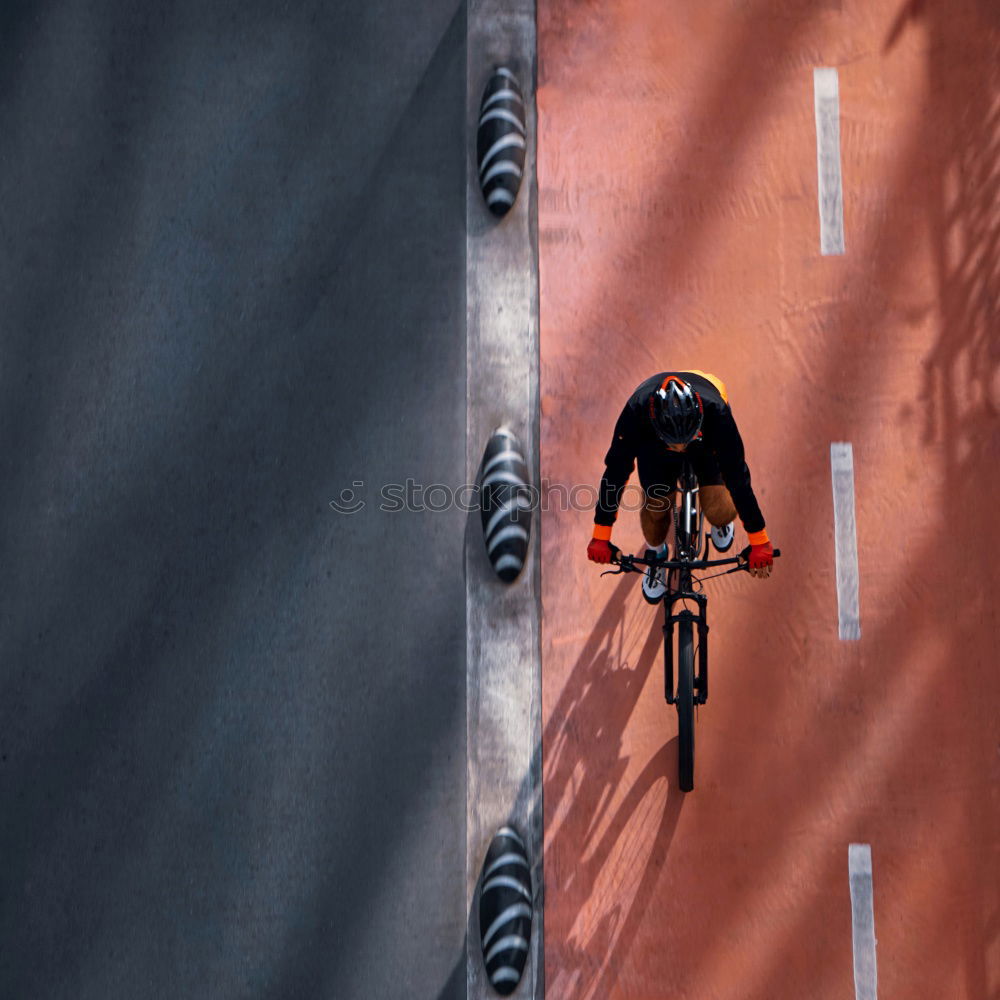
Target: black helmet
{"x":676,"y":411}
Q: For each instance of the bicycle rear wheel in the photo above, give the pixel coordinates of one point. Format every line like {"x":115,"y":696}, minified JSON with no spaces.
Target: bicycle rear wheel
{"x":685,"y":705}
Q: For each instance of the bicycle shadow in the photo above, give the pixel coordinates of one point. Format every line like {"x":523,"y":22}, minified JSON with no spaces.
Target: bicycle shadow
{"x":603,"y":848}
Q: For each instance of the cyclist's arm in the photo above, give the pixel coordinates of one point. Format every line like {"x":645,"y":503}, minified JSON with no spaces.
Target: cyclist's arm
{"x":619,"y":463}
{"x":730,"y":453}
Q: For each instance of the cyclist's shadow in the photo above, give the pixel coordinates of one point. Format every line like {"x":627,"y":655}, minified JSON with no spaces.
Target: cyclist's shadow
{"x":597,"y":886}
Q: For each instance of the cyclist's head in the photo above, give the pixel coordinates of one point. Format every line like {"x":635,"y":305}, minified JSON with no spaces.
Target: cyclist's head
{"x":676,"y":412}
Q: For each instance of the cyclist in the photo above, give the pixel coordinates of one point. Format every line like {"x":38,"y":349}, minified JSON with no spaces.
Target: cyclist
{"x":670,"y":413}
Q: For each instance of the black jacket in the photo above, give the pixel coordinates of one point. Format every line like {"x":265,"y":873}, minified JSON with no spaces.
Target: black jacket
{"x":634,"y":438}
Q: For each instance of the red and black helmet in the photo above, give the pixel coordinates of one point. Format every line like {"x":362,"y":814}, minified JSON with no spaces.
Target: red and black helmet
{"x":676,"y":412}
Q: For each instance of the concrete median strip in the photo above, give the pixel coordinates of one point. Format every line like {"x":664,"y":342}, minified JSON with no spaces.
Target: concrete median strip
{"x":503,"y":655}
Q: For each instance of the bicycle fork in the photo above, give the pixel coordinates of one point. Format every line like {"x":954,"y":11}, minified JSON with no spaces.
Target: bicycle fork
{"x":701,"y":620}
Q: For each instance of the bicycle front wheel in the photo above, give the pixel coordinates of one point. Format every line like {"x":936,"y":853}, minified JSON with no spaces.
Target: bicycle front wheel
{"x":685,"y":705}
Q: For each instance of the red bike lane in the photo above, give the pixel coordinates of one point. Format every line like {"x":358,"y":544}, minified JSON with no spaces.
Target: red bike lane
{"x":679,"y":227}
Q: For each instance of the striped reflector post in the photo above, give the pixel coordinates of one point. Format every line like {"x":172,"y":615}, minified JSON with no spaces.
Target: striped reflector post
{"x":505,"y":910}
{"x":500,"y":141}
{"x":505,"y":504}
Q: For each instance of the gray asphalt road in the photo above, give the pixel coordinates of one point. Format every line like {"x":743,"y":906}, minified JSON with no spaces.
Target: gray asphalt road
{"x":232,"y":723}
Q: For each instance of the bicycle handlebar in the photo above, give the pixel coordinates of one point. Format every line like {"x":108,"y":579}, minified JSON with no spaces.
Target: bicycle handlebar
{"x":630,"y":564}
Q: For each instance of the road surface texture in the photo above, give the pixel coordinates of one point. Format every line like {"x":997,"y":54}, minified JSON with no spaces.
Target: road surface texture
{"x":232,"y":726}
{"x":679,"y":227}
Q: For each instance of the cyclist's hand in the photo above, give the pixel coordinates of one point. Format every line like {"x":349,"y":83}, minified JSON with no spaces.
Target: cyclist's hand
{"x":599,"y":550}
{"x":761,"y":560}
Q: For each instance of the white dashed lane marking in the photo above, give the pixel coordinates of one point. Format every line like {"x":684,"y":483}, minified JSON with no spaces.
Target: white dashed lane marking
{"x":826,"y":94}
{"x":859,"y":863}
{"x":845,"y":539}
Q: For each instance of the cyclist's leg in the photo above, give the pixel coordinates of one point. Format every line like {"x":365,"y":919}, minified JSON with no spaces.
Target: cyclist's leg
{"x":655,"y":514}
{"x":658,"y":477}
{"x":716,"y":503}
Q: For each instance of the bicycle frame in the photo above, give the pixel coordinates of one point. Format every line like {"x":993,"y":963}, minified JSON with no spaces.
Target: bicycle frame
{"x":688,"y":540}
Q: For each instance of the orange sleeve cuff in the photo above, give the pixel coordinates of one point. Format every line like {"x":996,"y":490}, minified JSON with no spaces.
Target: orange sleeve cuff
{"x":758,"y":537}
{"x":602,"y":532}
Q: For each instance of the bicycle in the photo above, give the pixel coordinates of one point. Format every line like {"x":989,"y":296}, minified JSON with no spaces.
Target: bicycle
{"x":692,"y":682}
